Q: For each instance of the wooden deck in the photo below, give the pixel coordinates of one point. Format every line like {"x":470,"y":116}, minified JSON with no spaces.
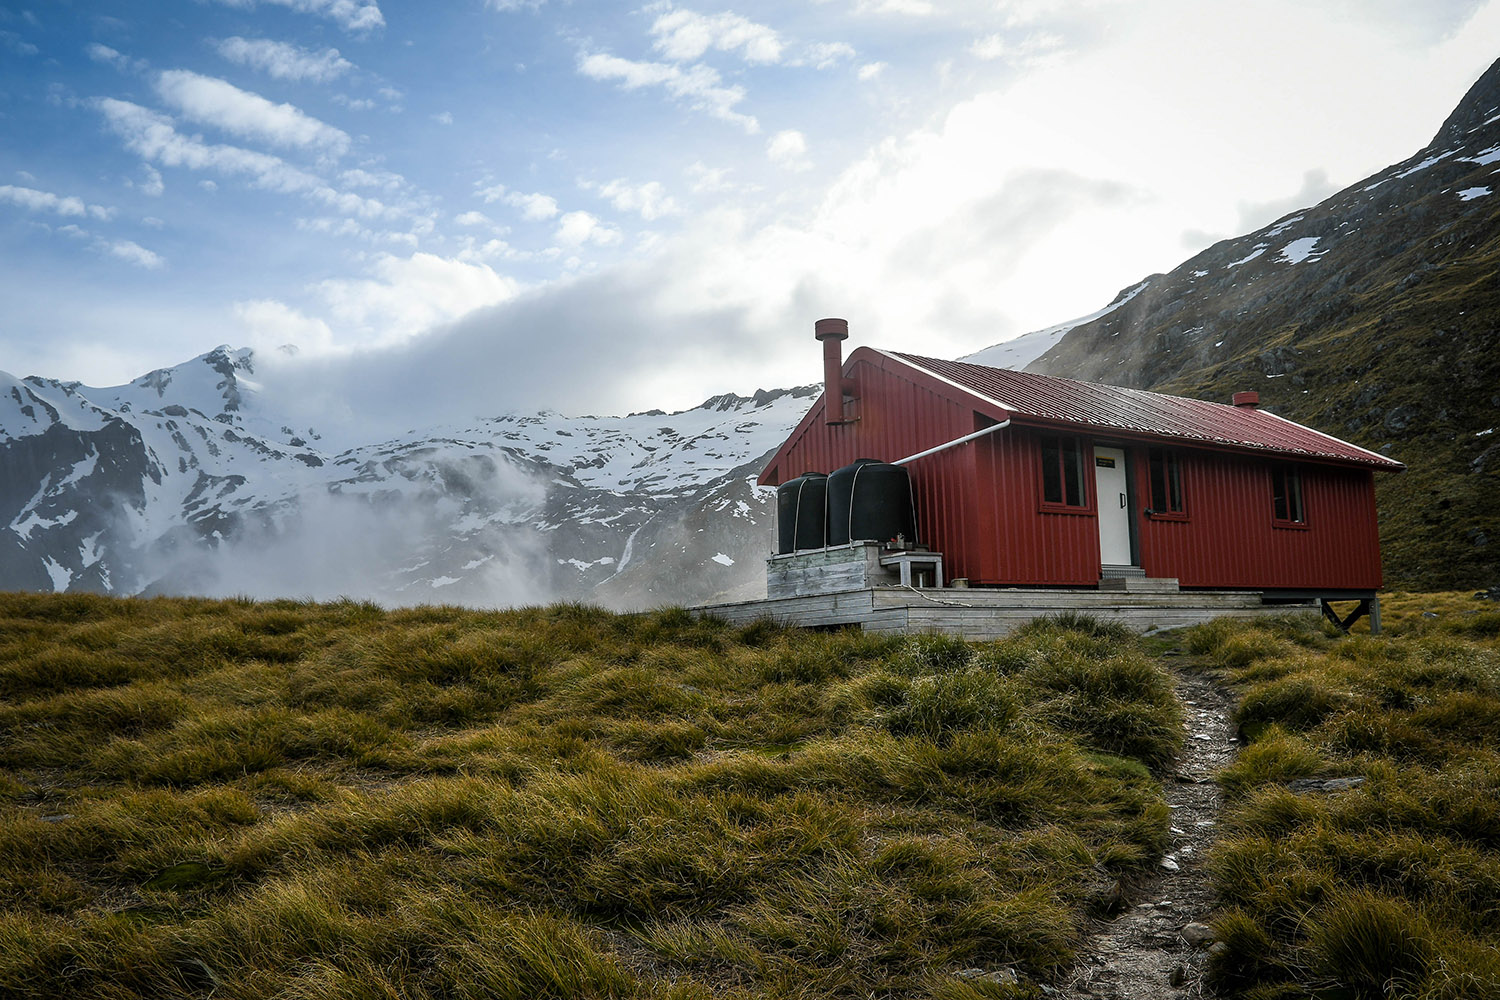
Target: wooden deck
{"x":990,"y":614}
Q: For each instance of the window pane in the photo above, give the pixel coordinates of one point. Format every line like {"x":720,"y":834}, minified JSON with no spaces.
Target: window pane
{"x":1073,"y":471}
{"x":1158,"y":481}
{"x":1294,"y":495}
{"x":1174,"y":478}
{"x":1278,"y":494}
{"x":1051,"y":473}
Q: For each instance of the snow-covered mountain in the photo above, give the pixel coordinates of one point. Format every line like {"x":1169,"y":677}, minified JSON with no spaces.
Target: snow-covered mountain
{"x":184,"y":481}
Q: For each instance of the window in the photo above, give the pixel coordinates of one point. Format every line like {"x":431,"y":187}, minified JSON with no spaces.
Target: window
{"x":1062,"y":472}
{"x":1286,"y":495}
{"x":1166,"y":483}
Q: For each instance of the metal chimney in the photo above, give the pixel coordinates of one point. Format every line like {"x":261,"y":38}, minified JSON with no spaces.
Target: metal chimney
{"x":1249,"y":399}
{"x":833,"y":332}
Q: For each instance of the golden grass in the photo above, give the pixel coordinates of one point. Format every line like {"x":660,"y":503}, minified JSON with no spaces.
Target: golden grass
{"x":1387,"y":888}
{"x":331,"y":800}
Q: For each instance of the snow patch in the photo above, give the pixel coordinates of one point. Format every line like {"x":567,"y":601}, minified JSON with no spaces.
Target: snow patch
{"x":1297,"y":251}
{"x":723,"y":560}
{"x":1469,"y":194}
{"x":61,"y":575}
{"x":1260,"y":248}
{"x":1484,"y":156}
{"x":1283,"y":226}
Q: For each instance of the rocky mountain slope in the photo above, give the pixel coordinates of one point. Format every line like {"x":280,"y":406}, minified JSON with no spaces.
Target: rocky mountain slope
{"x":182,"y":482}
{"x":1375,"y":316}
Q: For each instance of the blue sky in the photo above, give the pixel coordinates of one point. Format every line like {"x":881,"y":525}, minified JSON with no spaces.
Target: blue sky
{"x":478,"y":206}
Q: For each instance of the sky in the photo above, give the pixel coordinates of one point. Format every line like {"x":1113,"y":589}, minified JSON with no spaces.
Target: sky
{"x":425,"y":212}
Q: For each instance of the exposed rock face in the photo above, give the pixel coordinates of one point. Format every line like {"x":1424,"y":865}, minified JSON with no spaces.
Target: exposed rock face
{"x":1374,"y":315}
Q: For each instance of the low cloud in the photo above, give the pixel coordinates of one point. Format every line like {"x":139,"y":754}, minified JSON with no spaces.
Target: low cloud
{"x":394,"y":548}
{"x":284,"y":61}
{"x":1316,"y":186}
{"x":216,"y":102}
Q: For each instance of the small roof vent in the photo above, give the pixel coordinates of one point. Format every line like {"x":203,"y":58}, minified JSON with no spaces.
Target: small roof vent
{"x":1249,"y":399}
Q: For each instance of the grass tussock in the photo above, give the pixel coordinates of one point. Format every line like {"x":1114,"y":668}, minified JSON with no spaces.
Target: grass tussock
{"x":1384,"y":886}
{"x":288,"y":799}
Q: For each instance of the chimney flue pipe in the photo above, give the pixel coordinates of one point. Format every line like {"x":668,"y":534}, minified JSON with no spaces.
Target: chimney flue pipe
{"x":833,"y":332}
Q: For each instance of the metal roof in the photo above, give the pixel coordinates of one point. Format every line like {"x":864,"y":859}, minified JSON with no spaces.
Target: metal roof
{"x":1089,"y":404}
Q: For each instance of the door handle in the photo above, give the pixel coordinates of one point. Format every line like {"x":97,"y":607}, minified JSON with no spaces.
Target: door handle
{"x":1122,"y":501}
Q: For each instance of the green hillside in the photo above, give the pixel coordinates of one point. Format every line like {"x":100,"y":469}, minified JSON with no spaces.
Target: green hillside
{"x":299,"y":800}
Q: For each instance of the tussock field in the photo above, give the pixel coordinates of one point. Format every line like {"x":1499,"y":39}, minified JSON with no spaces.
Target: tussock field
{"x":1387,"y":885}
{"x":253,"y":800}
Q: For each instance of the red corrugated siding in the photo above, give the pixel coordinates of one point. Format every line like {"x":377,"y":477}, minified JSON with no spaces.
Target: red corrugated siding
{"x":1229,"y":539}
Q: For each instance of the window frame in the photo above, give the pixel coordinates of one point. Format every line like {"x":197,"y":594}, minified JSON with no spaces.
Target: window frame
{"x":1172,"y":463}
{"x":1081,"y":447}
{"x":1286,"y":481}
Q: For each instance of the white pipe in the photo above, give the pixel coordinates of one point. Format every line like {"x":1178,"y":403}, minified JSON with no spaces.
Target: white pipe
{"x":955,"y":442}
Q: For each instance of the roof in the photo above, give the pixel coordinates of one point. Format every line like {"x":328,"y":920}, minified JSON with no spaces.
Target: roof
{"x":1047,"y":399}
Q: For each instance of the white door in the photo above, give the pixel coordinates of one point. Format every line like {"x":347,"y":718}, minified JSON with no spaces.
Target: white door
{"x":1114,"y":508}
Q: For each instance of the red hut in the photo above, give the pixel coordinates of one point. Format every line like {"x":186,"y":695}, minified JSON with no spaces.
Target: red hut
{"x":1024,"y":480}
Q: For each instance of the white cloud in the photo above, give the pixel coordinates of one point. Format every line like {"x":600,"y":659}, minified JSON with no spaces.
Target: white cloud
{"x":706,"y":179}
{"x":534,"y":207}
{"x":684,"y":36}
{"x":133,"y":253}
{"x":1031,"y":49}
{"x":700,"y":87}
{"x":788,"y":150}
{"x":473,"y":219}
{"x":351,"y":15}
{"x":45,"y":201}
{"x":270,"y":324}
{"x":443,"y":118}
{"x":353,"y":103}
{"x":152,"y":185}
{"x":125,"y":250}
{"x":575,"y":229}
{"x":870,"y":71}
{"x":104,"y":54}
{"x":284,"y":61}
{"x":17,"y":44}
{"x":915,"y":8}
{"x":824,"y":55}
{"x":383,"y":179}
{"x":153,"y":137}
{"x":649,"y":200}
{"x":410,"y":295}
{"x":219,"y":103}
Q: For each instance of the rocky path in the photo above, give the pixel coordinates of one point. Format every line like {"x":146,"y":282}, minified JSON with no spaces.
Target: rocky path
{"x":1154,"y":949}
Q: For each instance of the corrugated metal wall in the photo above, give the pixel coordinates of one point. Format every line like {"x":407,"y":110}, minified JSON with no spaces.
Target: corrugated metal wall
{"x":1230,"y":539}
{"x":980,"y":504}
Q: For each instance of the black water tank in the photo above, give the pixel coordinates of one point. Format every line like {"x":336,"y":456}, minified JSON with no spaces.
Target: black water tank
{"x":801,"y":513}
{"x":870,"y":501}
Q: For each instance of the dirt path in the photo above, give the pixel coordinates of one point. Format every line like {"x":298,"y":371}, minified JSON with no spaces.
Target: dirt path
{"x":1142,"y":954}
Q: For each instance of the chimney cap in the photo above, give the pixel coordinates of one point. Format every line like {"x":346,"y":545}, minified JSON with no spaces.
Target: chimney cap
{"x":825,"y":328}
{"x":1249,"y":399}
